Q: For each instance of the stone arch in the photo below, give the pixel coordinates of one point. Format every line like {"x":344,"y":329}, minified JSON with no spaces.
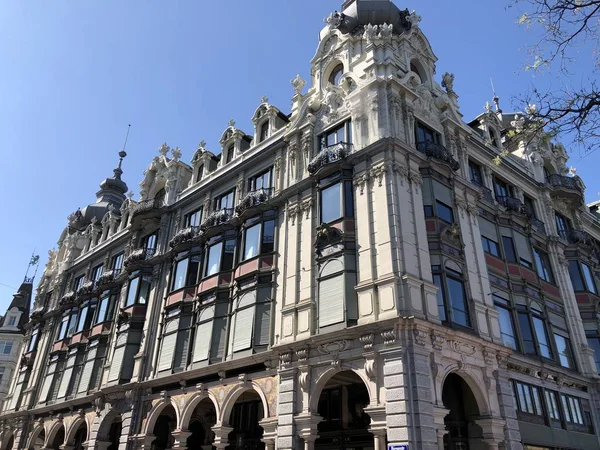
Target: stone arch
{"x":334,"y":65}
{"x":328,"y":374}
{"x":72,"y":430}
{"x":35,"y":434}
{"x":472,"y":380}
{"x":104,"y":423}
{"x":6,"y":437}
{"x":235,"y":394}
{"x":189,"y":408}
{"x":156,"y":411}
{"x":10,"y":443}
{"x":417,"y":67}
{"x":53,"y":434}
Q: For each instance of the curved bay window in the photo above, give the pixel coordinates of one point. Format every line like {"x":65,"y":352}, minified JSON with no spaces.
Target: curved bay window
{"x":258,"y":236}
{"x":86,"y":315}
{"x":452,"y":298}
{"x":335,"y":198}
{"x":33,"y":340}
{"x":138,"y":291}
{"x":220,"y":254}
{"x":438,"y":200}
{"x":250,"y":323}
{"x":67,"y":324}
{"x":186,"y":269}
{"x":582,"y":277}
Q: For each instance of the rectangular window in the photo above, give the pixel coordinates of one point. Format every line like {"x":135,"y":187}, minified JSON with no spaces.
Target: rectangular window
{"x":12,"y":320}
{"x":331,"y":203}
{"x":458,"y":301}
{"x":214,"y":259}
{"x":552,"y":405}
{"x":82,"y":318}
{"x":501,"y":189}
{"x":62,"y":329}
{"x":139,"y":290}
{"x":260,"y":181}
{"x":529,"y":206}
{"x":259,"y":239}
{"x":337,"y":135}
{"x":225,"y":201}
{"x":425,"y":134}
{"x":507,"y":327}
{"x":180,"y":274}
{"x":526,"y":334}
{"x":193,"y":218}
{"x":589,"y":278}
{"x":562,"y":224}
{"x":437,"y":280}
{"x":264,"y":131}
{"x":6,"y":347}
{"x":475,"y":172}
{"x":150,"y":241}
{"x":528,"y":399}
{"x":543,"y":266}
{"x":78,"y":282}
{"x":117,"y":262}
{"x":444,"y":212}
{"x":229,"y":154}
{"x":542,"y":337}
{"x":563,"y":348}
{"x":251,"y":241}
{"x":490,"y":246}
{"x":594,"y":343}
{"x":33,"y":340}
{"x":200,"y":173}
{"x":509,"y":249}
{"x":572,"y":409}
{"x":106,"y":307}
{"x":576,"y":276}
{"x":97,"y":272}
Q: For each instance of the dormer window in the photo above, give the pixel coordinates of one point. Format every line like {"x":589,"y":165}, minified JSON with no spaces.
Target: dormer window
{"x":264,"y":131}
{"x":229,"y":154}
{"x":336,"y":75}
{"x":12,"y":320}
{"x":200,"y":173}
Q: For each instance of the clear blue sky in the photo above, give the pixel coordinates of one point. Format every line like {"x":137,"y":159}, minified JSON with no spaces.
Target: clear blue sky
{"x":75,"y":73}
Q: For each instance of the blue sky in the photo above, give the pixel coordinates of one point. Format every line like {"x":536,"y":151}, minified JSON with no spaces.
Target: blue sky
{"x":74,"y":74}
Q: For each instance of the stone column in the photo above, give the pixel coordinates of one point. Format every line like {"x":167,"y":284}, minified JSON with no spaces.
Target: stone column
{"x":269,"y":437}
{"x":439,"y":414}
{"x":286,"y":402}
{"x":493,"y":431}
{"x":142,"y":441}
{"x":306,"y":428}
{"x":506,"y":401}
{"x":180,"y":437}
{"x":378,"y":426}
{"x":221,"y":436}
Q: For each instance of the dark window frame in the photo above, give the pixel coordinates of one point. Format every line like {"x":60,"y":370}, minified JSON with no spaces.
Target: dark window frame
{"x":543,"y":265}
{"x":221,"y":240}
{"x":253,"y":184}
{"x":447,"y":303}
{"x":489,"y":245}
{"x":193,"y":218}
{"x":425,"y":133}
{"x":141,"y":280}
{"x":332,"y":136}
{"x":264,"y":246}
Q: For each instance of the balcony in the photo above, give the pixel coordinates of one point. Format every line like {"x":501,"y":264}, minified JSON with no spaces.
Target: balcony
{"x":565,"y":186}
{"x":512,"y":204}
{"x":152,"y":205}
{"x":216,"y":218}
{"x":538,"y":225}
{"x":329,"y":155}
{"x":68,"y":299}
{"x":254,"y":199}
{"x":139,"y":256}
{"x":439,"y":152}
{"x":486,"y":194}
{"x":108,"y":277}
{"x":576,"y":237}
{"x":185,"y":235}
{"x":86,"y":289}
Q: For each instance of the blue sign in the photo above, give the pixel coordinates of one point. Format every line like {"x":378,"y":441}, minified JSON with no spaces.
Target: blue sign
{"x":397,"y":447}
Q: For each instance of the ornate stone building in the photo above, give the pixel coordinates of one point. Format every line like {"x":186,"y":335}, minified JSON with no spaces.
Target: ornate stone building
{"x":367,"y":270}
{"x":12,"y":333}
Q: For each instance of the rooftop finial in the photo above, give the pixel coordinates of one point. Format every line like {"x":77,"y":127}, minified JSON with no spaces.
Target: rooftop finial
{"x":122,"y":154}
{"x":495,"y":98}
{"x":32,"y":262}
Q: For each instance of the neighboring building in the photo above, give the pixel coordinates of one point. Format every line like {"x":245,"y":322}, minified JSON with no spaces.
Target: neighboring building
{"x":12,"y":334}
{"x":354,"y":274}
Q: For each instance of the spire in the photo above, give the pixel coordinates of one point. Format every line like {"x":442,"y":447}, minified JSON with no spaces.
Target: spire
{"x":114,"y":188}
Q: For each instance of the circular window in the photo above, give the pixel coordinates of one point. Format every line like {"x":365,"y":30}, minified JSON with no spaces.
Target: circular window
{"x":336,"y":75}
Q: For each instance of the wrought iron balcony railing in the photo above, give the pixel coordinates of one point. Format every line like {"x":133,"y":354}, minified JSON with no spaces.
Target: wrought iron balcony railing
{"x":108,"y":277}
{"x":577,"y":237}
{"x":328,"y":155}
{"x":254,"y":198}
{"x":139,"y":255}
{"x":538,"y":225}
{"x":512,"y":204}
{"x":219,"y":217}
{"x":184,"y":235}
{"x":439,"y":152}
{"x":486,"y":194}
{"x":86,"y":288}
{"x":148,"y":205}
{"x":560,"y":181}
{"x":68,"y":298}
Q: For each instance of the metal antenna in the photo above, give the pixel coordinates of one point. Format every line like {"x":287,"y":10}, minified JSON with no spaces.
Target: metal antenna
{"x":123,"y":153}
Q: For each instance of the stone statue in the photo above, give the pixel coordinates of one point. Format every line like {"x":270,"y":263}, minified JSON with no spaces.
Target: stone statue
{"x":448,"y":82}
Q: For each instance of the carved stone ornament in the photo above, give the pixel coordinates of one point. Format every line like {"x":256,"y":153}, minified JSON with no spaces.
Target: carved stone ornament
{"x":292,"y":212}
{"x":420,"y":336}
{"x":333,"y":347}
{"x":298,"y":84}
{"x":448,"y":82}
{"x":367,"y":341}
{"x":327,"y":235}
{"x":302,"y":355}
{"x":389,"y":336}
{"x":378,"y":172}
{"x":437,"y":340}
{"x":371,"y":368}
{"x":462,"y":347}
{"x":360,"y":181}
{"x":303,"y":377}
{"x":489,"y":357}
{"x":285,"y":359}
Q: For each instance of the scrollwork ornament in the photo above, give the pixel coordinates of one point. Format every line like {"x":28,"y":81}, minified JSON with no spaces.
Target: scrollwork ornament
{"x":360,"y":181}
{"x":367,"y":341}
{"x":389,"y":336}
{"x":378,"y":173}
{"x":419,"y":336}
{"x":371,"y":369}
{"x":437,"y":341}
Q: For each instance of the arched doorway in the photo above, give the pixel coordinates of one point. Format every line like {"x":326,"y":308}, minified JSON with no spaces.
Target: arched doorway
{"x":345,"y":424}
{"x":59,"y":439}
{"x":37,"y":442}
{"x":461,"y":429}
{"x":114,"y":433}
{"x":163,"y":429}
{"x":201,"y":422}
{"x":109,"y":431}
{"x":246,"y":414}
{"x":80,"y":437}
{"x":11,"y":443}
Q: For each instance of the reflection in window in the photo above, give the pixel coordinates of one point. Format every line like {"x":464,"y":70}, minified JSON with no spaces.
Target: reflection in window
{"x":336,"y":75}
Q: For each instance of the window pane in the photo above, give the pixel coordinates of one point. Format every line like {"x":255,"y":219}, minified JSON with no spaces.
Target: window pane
{"x":589,"y":278}
{"x":445,"y":212}
{"x":132,"y":292}
{"x":542,"y":337}
{"x":251,"y":241}
{"x":537,"y":400}
{"x":193,"y":267}
{"x":82,"y":317}
{"x":331,"y":203}
{"x":214,"y":259}
{"x":526,"y":334}
{"x":437,"y":279}
{"x":576,"y":277}
{"x":564,"y":350}
{"x":118,"y":262}
{"x":348,"y":199}
{"x":180,"y":274}
{"x":102,"y":309}
{"x":72,"y":323}
{"x":543,"y":265}
{"x":552,"y":405}
{"x":506,"y":327}
{"x":566,"y":410}
{"x":456,"y":291}
{"x":268,"y":237}
{"x":228,"y":252}
{"x":509,"y":249}
{"x":144,"y":289}
{"x":595,"y":344}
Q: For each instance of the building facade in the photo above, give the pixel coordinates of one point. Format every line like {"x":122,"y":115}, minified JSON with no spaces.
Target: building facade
{"x":12,"y":334}
{"x":369,"y":269}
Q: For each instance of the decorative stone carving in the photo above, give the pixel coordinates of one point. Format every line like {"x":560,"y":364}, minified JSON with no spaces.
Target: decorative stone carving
{"x":389,"y":336}
{"x":307,"y":207}
{"x":292,"y":212}
{"x":462,"y":347}
{"x":367,"y":341}
{"x":371,"y":368}
{"x":302,"y":355}
{"x":333,"y":347}
{"x":298,"y":84}
{"x":448,"y":82}
{"x":378,"y":172}
{"x":285,"y":359}
{"x":361,"y":181}
{"x":419,"y":336}
{"x":489,"y":357}
{"x":437,"y":340}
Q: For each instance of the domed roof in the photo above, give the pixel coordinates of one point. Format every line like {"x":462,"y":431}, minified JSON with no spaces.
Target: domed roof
{"x":358,"y":13}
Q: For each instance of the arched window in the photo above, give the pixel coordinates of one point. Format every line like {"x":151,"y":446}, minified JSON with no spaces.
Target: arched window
{"x":264,"y":131}
{"x":336,"y":75}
